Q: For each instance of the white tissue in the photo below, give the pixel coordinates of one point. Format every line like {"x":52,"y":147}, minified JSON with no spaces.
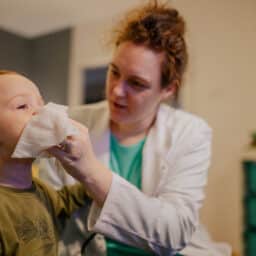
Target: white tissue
{"x":47,"y":128}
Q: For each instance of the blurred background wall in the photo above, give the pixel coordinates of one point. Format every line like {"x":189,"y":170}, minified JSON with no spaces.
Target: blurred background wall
{"x":219,"y":86}
{"x":15,"y":52}
{"x":45,"y":59}
{"x":50,"y":64}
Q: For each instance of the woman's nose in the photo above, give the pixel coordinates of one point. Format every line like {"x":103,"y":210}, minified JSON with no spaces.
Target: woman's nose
{"x":119,"y":88}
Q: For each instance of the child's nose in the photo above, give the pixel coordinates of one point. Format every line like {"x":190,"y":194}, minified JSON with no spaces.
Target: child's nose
{"x":36,"y":110}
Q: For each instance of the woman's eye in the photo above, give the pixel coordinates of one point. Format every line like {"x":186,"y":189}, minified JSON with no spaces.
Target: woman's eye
{"x":23,"y":106}
{"x":137,"y":84}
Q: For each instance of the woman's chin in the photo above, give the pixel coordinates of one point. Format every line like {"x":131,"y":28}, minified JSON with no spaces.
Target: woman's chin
{"x":119,"y":119}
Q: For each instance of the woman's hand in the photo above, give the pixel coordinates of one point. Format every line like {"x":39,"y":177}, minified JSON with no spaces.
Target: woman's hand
{"x":78,"y":159}
{"x":75,"y":153}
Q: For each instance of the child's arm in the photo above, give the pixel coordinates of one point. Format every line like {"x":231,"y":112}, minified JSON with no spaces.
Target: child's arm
{"x":71,"y":198}
{"x":65,"y":201}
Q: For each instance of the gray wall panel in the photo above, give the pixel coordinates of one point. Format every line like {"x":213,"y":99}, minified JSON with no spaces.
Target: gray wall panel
{"x":44,"y":59}
{"x":50,"y":65}
{"x":14,"y":53}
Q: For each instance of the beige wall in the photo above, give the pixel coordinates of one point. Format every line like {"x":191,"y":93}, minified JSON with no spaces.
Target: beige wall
{"x":222,"y":90}
{"x":220,"y":87}
{"x":88,"y":50}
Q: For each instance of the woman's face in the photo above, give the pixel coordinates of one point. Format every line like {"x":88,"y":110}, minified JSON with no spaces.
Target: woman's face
{"x":133,"y":84}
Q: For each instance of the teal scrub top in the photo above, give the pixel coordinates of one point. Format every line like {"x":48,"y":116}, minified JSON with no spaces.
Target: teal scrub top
{"x":126,"y":161}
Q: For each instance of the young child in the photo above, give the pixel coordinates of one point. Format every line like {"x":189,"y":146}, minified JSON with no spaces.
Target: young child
{"x":29,"y":210}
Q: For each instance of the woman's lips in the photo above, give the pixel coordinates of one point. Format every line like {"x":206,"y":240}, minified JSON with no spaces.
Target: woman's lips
{"x":119,"y":106}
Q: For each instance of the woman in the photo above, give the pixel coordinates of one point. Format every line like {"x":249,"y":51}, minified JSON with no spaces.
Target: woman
{"x":145,"y":164}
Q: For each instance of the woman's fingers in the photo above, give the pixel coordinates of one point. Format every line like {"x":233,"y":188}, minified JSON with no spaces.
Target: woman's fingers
{"x":59,"y":153}
{"x":71,"y":148}
{"x":71,"y":152}
{"x":66,"y":145}
{"x":78,"y":125}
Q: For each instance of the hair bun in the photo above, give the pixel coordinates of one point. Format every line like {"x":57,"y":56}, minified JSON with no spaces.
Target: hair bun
{"x":149,"y":22}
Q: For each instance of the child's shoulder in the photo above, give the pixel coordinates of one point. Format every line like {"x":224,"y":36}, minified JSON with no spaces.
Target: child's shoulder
{"x":8,"y":196}
{"x":39,"y":184}
{"x":5,"y":198}
{"x":46,"y":192}
{"x":42,"y":187}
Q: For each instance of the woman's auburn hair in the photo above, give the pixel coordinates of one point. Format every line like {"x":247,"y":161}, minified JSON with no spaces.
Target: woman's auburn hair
{"x":160,"y":28}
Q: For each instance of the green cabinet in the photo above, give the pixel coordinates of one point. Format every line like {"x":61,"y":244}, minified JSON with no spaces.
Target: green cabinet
{"x":249,"y":203}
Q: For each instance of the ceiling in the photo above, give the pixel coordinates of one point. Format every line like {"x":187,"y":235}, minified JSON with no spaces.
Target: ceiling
{"x":31,"y":18}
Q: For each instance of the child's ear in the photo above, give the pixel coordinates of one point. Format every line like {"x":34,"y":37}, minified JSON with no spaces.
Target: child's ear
{"x":170,"y":90}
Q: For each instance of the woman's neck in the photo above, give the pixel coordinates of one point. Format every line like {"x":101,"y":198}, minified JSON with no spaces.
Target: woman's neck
{"x":16,"y":173}
{"x":128,"y":134}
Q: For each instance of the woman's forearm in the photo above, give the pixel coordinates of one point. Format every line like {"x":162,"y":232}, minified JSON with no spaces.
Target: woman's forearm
{"x":97,"y":183}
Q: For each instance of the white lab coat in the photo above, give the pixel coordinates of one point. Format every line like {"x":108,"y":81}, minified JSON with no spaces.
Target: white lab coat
{"x":163,"y":216}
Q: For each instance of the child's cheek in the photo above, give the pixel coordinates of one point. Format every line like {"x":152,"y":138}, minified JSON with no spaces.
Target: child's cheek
{"x":17,"y":130}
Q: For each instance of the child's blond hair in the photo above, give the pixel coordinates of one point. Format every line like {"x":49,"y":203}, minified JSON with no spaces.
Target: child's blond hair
{"x":7,"y":72}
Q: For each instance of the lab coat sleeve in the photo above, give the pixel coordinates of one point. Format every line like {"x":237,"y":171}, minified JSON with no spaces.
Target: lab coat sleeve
{"x":162,"y":223}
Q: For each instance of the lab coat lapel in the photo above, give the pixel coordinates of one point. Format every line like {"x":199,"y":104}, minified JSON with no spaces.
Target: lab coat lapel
{"x":100,"y":138}
{"x":158,"y":141}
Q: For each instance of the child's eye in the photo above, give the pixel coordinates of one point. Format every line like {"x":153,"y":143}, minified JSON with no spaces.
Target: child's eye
{"x":114,"y":73}
{"x":23,"y":106}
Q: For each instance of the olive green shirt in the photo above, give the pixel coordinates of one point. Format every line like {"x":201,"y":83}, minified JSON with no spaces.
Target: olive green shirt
{"x":29,"y":219}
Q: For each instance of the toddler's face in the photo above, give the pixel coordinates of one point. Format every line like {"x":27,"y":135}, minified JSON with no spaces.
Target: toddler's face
{"x":19,"y":101}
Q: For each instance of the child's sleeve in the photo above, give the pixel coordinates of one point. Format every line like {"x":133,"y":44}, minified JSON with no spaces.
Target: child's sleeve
{"x":66,"y":200}
{"x":70,"y":198}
